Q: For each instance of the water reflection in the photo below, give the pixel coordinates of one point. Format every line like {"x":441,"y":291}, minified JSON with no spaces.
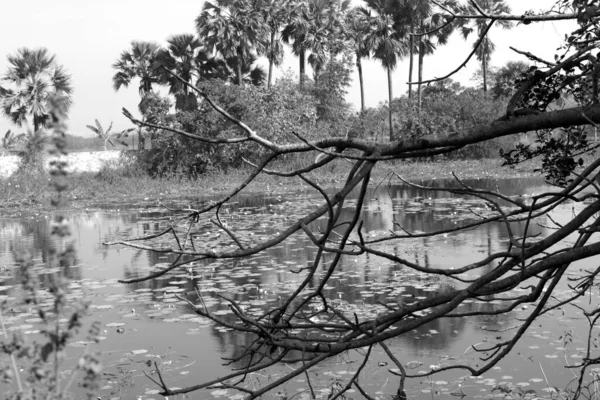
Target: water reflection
{"x":262,"y":281}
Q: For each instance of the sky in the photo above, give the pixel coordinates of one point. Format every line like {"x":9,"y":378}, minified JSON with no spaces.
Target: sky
{"x":88,"y":36}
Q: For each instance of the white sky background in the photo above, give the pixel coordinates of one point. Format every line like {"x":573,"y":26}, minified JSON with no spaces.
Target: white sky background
{"x":88,"y":36}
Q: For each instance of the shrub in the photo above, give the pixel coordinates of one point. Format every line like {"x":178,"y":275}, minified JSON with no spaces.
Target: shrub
{"x":452,"y":108}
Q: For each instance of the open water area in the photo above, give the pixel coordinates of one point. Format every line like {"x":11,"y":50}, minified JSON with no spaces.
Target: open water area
{"x":146,"y":322}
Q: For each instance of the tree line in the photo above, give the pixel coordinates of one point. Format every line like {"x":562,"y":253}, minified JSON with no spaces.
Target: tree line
{"x":231,"y":36}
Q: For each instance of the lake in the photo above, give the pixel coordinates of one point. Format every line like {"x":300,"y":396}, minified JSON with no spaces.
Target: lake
{"x":145,"y":322}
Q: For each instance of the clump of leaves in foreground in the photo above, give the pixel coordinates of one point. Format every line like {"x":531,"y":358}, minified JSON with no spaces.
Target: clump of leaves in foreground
{"x":559,"y":152}
{"x":32,"y":369}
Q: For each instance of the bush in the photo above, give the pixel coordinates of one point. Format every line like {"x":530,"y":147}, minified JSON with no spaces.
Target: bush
{"x":275,"y":113}
{"x":451,"y":108}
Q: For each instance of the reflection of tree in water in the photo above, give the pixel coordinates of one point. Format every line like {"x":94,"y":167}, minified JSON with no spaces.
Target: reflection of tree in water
{"x":35,"y":241}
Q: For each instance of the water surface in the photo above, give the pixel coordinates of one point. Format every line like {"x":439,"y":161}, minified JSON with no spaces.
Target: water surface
{"x":159,"y":327}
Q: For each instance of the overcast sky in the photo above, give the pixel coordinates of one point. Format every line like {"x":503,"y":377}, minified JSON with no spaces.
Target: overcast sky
{"x":87,"y":37}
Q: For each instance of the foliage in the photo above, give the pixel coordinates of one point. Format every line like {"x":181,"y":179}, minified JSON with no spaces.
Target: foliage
{"x":276,"y":113}
{"x":449,"y":107}
{"x":484,"y":47}
{"x":506,"y":79}
{"x":10,"y":141}
{"x":233,"y":28}
{"x":331,"y":87}
{"x":106,"y":134}
{"x":34,"y":77}
{"x":137,"y":62}
{"x":560,"y":152}
{"x":32,"y":156}
{"x":186,"y":57}
{"x":33,"y":369}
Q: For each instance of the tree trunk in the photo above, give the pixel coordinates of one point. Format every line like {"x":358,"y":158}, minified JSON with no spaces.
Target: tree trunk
{"x":361,"y":84}
{"x":389,"y":72}
{"x":239,"y":69}
{"x":141,"y":140}
{"x":301,"y":56}
{"x":271,"y":60}
{"x":421,"y":57}
{"x":411,"y":62}
{"x":484,"y":66}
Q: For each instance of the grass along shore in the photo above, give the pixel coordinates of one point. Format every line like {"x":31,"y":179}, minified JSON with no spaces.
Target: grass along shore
{"x":117,"y":184}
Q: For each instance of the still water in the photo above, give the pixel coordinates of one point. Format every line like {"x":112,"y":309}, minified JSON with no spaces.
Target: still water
{"x":145,"y":322}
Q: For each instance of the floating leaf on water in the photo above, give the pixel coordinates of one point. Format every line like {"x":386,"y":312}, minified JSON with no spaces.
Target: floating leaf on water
{"x":102,"y":307}
{"x":413,"y":364}
{"x":114,"y":324}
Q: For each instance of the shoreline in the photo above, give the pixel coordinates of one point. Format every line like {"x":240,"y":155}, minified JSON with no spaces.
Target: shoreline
{"x":90,"y":183}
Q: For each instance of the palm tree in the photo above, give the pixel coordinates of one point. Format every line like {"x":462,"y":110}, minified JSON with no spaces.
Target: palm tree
{"x":419,"y":16}
{"x":274,"y":15}
{"x":251,"y":74}
{"x":294,"y":33}
{"x":358,"y":28}
{"x":233,"y":28}
{"x":33,"y":77}
{"x":387,"y":44}
{"x":186,"y":57}
{"x":138,"y":62}
{"x":321,"y":32}
{"x":486,"y":47}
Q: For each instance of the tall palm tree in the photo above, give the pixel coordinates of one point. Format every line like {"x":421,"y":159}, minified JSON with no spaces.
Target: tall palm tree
{"x":233,"y":28}
{"x":275,"y":15}
{"x":329,"y":35}
{"x":420,"y":16}
{"x":33,"y":77}
{"x":358,"y":28}
{"x":409,"y":17}
{"x":138,"y":62}
{"x":251,"y":74}
{"x":186,"y":57}
{"x":428,"y":44}
{"x":487,"y":47}
{"x":294,"y":33}
{"x":387,"y":44}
